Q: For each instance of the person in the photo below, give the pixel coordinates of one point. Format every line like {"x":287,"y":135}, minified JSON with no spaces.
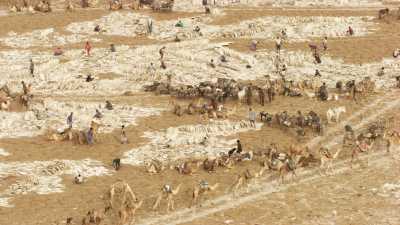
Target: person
{"x":325,"y":43}
{"x":162,"y":52}
{"x":70,"y":120}
{"x":109,"y":106}
{"x":350,"y":31}
{"x":398,"y":81}
{"x":149,"y":26}
{"x":179,"y":24}
{"x":261,"y":94}
{"x":239,"y":147}
{"x":88,"y":48}
{"x":89,"y":78}
{"x":317,"y":57}
{"x":252,"y":117}
{"x":98,"y":114}
{"x":278,"y":44}
{"x":223,"y":58}
{"x":90,"y":135}
{"x":124,"y":138}
{"x":212,"y":63}
{"x":177,"y":39}
{"x":253,"y":45}
{"x":323,"y":92}
{"x":97,"y":28}
{"x":249,"y":94}
{"x":58,"y":51}
{"x":25,"y":88}
{"x":353,"y":90}
{"x":197,"y":29}
{"x":32,"y":67}
{"x":286,"y":87}
{"x":381,"y":72}
{"x":317,"y":73}
{"x":112,"y":48}
{"x":78,"y":179}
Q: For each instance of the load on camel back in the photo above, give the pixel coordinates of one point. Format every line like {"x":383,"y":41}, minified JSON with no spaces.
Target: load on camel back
{"x":158,"y":5}
{"x":30,"y":6}
{"x":15,"y":101}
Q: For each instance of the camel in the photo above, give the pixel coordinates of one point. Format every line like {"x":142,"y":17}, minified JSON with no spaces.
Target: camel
{"x":155,"y":166}
{"x":382,"y":13}
{"x":70,"y":6}
{"x":210,"y":164}
{"x":122,"y":200}
{"x":283,"y":163}
{"x":43,"y":6}
{"x":115,"y":4}
{"x":188,"y":168}
{"x":245,"y":179}
{"x":360,"y":147}
{"x":202,"y":189}
{"x":169,"y":194}
{"x":393,"y":136}
{"x":333,"y":114}
{"x":327,"y":159}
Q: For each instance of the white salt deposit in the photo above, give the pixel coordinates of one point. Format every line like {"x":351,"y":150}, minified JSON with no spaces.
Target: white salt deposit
{"x":53,"y":114}
{"x":31,"y":176}
{"x":4,"y":152}
{"x":43,"y":38}
{"x":187,"y":62}
{"x":297,"y":28}
{"x":391,"y":190}
{"x":182,"y":142}
{"x":115,"y":23}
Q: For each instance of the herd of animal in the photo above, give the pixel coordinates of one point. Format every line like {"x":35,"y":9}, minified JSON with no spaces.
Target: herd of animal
{"x":44,"y":6}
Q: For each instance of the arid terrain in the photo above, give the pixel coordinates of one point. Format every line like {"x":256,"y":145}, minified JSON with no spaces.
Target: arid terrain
{"x":363,"y":195}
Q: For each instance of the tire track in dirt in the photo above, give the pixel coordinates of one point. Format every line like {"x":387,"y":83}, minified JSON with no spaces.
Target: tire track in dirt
{"x":267,"y":186}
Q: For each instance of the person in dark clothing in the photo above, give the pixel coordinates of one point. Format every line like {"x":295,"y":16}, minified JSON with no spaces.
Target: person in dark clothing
{"x":323,"y":92}
{"x":89,"y":78}
{"x":398,"y":81}
{"x":90,"y":135}
{"x":317,"y":73}
{"x":239,"y":147}
{"x":112,"y":48}
{"x":261,"y":94}
{"x":109,"y":106}
{"x":70,"y":120}
{"x":31,"y":68}
{"x":249,"y":94}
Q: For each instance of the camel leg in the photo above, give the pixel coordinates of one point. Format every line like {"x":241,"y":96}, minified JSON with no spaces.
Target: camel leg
{"x":157,"y":202}
{"x":195,"y":196}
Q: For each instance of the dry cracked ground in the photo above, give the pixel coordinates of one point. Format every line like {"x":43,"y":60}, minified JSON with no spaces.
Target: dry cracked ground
{"x":364,"y":195}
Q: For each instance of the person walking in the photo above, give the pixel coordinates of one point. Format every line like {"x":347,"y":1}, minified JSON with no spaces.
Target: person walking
{"x":32,"y":67}
{"x":70,"y":120}
{"x":88,"y":48}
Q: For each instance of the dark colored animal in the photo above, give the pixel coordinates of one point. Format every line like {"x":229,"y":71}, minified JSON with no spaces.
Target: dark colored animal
{"x":383,"y":12}
{"x":116,"y":163}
